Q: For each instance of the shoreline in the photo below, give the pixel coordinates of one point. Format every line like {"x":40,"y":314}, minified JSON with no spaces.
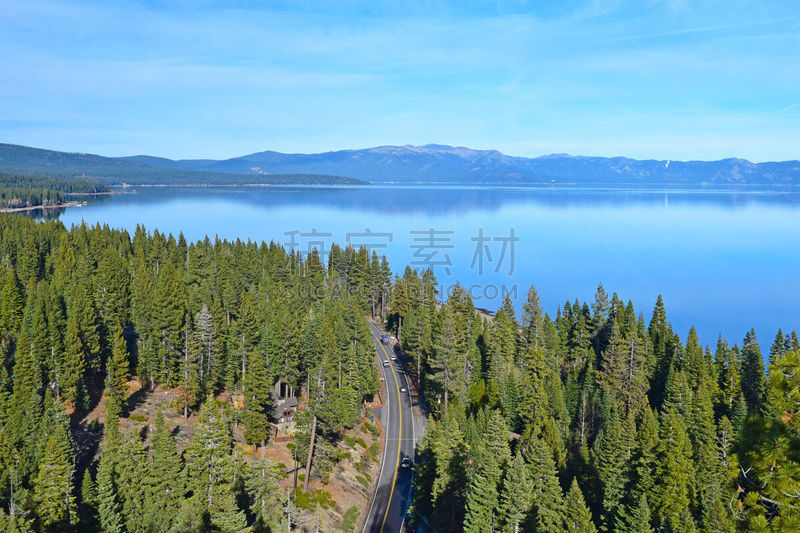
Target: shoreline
{"x":204,"y":185}
{"x":103,"y":193}
{"x":34,"y":207}
{"x":659,"y":188}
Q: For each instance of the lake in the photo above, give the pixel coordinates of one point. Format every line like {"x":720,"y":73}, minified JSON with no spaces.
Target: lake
{"x":725,"y":261}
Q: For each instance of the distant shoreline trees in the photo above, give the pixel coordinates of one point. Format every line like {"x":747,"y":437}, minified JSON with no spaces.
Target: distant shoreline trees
{"x":22,"y":191}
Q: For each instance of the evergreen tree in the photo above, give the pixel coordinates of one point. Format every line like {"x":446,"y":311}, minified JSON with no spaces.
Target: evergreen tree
{"x":55,"y":503}
{"x":752,"y":373}
{"x":28,"y":263}
{"x":599,"y":319}
{"x":15,"y":524}
{"x":34,"y":322}
{"x":164,"y":482}
{"x":117,"y":370}
{"x":74,"y":364}
{"x":739,"y":416}
{"x":729,"y":378}
{"x":548,"y":500}
{"x":674,"y":473}
{"x":441,"y":476}
{"x":532,"y":321}
{"x":112,"y":292}
{"x":11,"y":302}
{"x":489,"y":460}
{"x":533,"y":404}
{"x":26,"y":402}
{"x":623,"y":372}
{"x":791,"y":343}
{"x":502,"y":342}
{"x":265,"y":494}
{"x":778,"y":347}
{"x":247,"y":334}
{"x":640,"y":517}
{"x":726,"y":441}
{"x":516,"y":496}
{"x":256,"y":389}
{"x":205,"y":347}
{"x":108,"y":507}
{"x":130,"y":468}
{"x":770,"y":472}
{"x":693,"y":363}
{"x":88,"y":323}
{"x":142,"y":319}
{"x":577,"y":517}
{"x":210,"y":469}
{"x":88,"y":511}
{"x":705,"y":455}
{"x":614,"y":453}
{"x":168,"y":318}
{"x":448,"y":363}
{"x":401,"y":301}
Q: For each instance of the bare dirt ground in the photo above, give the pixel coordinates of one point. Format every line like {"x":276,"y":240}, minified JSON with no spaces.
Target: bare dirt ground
{"x":351,"y":482}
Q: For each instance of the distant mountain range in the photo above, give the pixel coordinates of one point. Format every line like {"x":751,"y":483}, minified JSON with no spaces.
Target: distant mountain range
{"x":431,"y":163}
{"x":16,"y":159}
{"x":434,"y":163}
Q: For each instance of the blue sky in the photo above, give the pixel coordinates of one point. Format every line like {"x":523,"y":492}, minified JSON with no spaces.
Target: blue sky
{"x":671,"y":79}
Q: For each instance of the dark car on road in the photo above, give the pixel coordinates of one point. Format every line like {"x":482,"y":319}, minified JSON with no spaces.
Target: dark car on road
{"x":385,"y":339}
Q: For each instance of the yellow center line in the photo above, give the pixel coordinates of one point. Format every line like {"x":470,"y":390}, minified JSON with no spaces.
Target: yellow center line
{"x":399,"y":436}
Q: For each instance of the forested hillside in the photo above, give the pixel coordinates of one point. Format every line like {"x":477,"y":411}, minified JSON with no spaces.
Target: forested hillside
{"x":19,"y":191}
{"x":597,"y":420}
{"x":119,"y":170}
{"x":594,"y":420}
{"x":85,"y":310}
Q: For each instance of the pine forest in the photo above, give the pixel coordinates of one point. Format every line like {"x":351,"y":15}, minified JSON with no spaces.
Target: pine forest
{"x":597,"y":417}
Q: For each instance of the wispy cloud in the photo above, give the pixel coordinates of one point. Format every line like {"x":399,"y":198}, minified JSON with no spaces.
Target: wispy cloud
{"x":617,"y":77}
{"x":766,"y":23}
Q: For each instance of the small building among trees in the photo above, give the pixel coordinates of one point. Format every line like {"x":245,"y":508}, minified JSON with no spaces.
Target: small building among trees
{"x":284,"y":406}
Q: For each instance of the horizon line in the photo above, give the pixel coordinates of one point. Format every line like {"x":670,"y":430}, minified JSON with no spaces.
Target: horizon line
{"x":407,"y":145}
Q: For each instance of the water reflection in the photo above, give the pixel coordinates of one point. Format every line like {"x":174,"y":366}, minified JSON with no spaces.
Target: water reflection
{"x":45,"y":213}
{"x":431,"y":200}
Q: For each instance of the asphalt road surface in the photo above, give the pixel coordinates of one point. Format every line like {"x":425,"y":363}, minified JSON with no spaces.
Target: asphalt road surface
{"x":392,"y":494}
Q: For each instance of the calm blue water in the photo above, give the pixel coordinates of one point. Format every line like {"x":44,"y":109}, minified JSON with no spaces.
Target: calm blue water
{"x":724,"y":261}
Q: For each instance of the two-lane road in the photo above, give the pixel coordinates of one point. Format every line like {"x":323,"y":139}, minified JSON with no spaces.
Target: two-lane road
{"x":393,"y":490}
